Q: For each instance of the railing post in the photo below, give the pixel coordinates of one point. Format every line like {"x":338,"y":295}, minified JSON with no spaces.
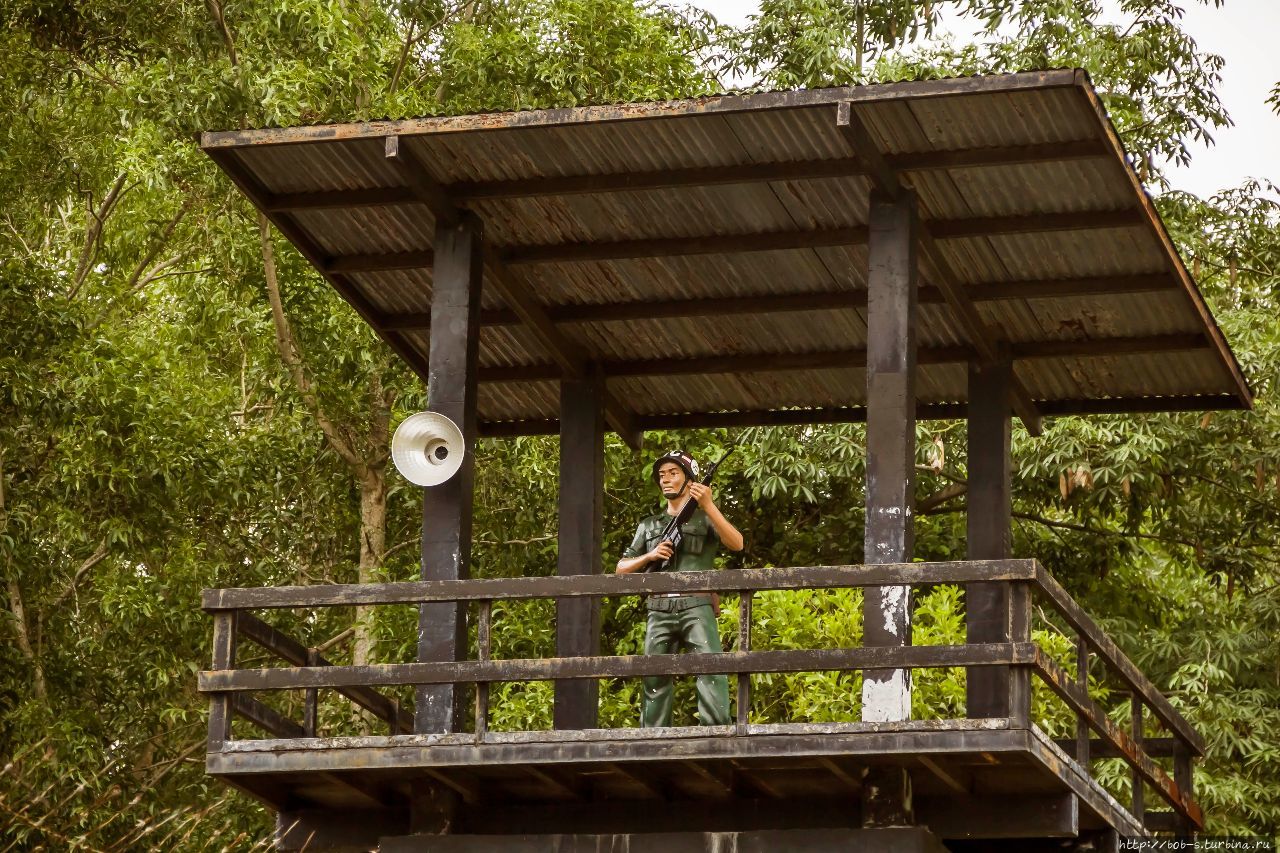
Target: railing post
{"x":1183,"y":777}
{"x":1018,"y":681}
{"x":224,"y":657}
{"x":311,"y":702}
{"x":1082,"y":681}
{"x":744,"y":645}
{"x":484,"y":652}
{"x":1135,"y":717}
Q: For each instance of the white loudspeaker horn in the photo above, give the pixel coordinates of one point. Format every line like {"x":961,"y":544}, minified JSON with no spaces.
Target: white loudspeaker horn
{"x":427,"y":448}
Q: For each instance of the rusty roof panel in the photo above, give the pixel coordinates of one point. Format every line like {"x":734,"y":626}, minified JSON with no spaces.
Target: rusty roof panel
{"x":961,"y":120}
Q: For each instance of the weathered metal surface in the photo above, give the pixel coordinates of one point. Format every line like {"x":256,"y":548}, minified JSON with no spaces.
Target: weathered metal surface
{"x":804,"y":577}
{"x":994,"y":161}
{"x":627,"y":666}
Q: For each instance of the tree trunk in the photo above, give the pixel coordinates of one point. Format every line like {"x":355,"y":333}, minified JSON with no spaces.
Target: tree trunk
{"x":18,"y":614}
{"x":373,"y":549}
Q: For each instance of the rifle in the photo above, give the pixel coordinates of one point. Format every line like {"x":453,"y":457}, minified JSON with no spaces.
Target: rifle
{"x":672,"y":532}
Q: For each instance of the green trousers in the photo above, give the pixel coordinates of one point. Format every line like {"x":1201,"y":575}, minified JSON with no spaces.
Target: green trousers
{"x":676,"y":624}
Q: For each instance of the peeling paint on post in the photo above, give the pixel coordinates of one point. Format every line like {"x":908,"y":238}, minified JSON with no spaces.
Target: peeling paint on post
{"x":891,"y":303}
{"x":891,"y":436}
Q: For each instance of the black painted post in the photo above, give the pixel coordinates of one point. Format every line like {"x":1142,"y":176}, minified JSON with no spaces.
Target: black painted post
{"x":987,"y":605}
{"x":1183,"y":777}
{"x":224,"y":657}
{"x":1082,"y":681}
{"x":446,"y":508}
{"x":581,"y":522}
{"x":891,"y":439}
{"x":1138,"y":808}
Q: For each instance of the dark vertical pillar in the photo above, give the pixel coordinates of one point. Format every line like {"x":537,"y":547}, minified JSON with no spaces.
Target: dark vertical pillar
{"x":446,"y":508}
{"x":891,"y":440}
{"x":224,"y":657}
{"x":1183,"y":777}
{"x":989,"y":529}
{"x":581,"y":523}
{"x":891,"y":436}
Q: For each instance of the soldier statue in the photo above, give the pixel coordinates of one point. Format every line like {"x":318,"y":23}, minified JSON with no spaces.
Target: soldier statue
{"x":679,"y":621}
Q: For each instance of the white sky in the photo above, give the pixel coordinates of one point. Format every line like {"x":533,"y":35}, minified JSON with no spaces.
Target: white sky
{"x":1244,"y":33}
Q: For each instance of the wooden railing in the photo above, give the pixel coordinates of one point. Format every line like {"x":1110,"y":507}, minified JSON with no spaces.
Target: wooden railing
{"x":1031,"y":585}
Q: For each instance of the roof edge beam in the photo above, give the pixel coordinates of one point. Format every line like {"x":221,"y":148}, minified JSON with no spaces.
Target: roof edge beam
{"x":885,"y":179}
{"x":704,"y":105}
{"x":1151,"y":217}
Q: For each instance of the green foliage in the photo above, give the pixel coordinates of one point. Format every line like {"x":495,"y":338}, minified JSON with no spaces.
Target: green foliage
{"x":813,"y":43}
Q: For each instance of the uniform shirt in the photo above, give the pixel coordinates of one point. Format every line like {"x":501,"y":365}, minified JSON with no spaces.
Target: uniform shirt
{"x":698,"y":546}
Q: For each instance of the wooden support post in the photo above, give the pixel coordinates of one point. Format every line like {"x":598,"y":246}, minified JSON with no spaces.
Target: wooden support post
{"x":446,"y":508}
{"x":581,"y":525}
{"x":224,"y":657}
{"x":990,"y":520}
{"x":891,"y":442}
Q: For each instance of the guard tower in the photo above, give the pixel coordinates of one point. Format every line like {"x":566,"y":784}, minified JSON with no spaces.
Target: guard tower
{"x":972,"y":248}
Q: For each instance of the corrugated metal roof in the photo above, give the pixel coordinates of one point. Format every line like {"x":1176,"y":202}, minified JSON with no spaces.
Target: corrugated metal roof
{"x":747,"y":200}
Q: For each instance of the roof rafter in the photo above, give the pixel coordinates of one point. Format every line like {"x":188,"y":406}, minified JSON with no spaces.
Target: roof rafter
{"x":570,"y":358}
{"x":885,"y":179}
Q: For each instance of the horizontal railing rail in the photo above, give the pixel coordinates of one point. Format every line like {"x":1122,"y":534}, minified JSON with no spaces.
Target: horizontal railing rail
{"x":598,"y":586}
{"x":630,"y":666}
{"x":312,"y":672}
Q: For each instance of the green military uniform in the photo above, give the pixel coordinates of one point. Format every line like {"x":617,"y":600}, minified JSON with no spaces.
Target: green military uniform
{"x":681,"y":621}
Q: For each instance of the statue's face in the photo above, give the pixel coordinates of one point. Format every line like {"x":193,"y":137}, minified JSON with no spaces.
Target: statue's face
{"x":671,"y":480}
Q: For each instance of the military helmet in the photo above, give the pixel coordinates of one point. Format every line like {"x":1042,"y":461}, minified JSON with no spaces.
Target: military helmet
{"x":680,"y":457}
